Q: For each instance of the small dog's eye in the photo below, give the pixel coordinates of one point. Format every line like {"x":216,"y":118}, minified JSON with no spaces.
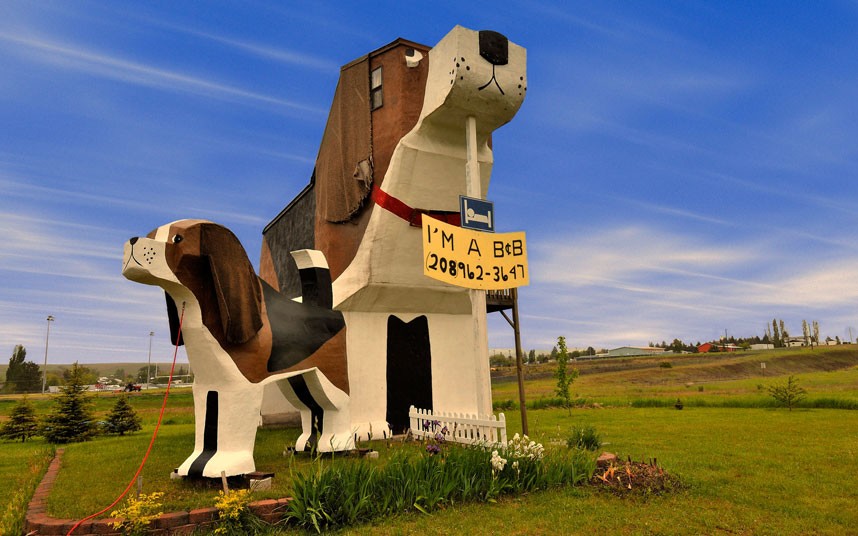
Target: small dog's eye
{"x":177,"y":239}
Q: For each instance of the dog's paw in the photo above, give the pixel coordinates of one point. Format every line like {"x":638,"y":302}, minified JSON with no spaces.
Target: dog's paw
{"x":204,"y":464}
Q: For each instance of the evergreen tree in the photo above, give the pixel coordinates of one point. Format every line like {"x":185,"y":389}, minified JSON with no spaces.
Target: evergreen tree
{"x":22,"y":423}
{"x":122,"y":418}
{"x":789,"y":394}
{"x":72,"y":419}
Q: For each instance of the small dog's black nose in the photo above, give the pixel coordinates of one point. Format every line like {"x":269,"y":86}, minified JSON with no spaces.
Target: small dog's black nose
{"x":134,"y":240}
{"x":494,"y":47}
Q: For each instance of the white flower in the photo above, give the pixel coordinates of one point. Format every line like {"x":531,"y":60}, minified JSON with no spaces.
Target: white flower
{"x":497,"y":462}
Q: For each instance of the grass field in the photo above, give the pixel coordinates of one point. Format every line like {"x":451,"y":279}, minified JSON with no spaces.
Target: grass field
{"x":750,"y":468}
{"x":727,"y":380}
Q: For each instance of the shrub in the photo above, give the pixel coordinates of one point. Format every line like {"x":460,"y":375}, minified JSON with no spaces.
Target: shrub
{"x":138,"y":513}
{"x":665,"y":364}
{"x":564,"y":377}
{"x":585,"y":438}
{"x":234,"y":515}
{"x":504,"y":405}
{"x":788,"y":394}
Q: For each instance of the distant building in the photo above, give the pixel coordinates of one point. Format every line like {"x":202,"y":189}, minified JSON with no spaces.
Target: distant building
{"x":711,"y":346}
{"x":762,"y":347}
{"x":795,"y":342}
{"x":633,"y":351}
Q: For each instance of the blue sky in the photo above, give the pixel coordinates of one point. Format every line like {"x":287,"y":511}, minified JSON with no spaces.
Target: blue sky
{"x":680,"y":168}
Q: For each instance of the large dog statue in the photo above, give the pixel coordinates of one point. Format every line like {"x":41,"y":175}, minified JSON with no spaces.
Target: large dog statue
{"x":241,"y":335}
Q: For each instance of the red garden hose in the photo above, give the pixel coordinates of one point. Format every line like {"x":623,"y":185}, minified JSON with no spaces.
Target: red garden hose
{"x":154,"y":434}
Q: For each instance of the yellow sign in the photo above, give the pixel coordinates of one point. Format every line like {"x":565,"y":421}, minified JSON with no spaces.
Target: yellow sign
{"x":474,"y":259}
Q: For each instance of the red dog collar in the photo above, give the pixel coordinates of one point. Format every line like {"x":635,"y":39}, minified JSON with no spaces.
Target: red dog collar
{"x":414,"y":216}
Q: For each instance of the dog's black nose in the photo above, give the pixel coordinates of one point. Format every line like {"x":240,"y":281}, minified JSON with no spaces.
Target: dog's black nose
{"x":134,"y":240}
{"x":494,"y":47}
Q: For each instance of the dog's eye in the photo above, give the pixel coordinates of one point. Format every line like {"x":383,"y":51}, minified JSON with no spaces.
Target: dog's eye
{"x":177,"y":238}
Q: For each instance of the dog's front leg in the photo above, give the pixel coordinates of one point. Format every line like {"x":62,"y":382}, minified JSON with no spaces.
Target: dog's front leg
{"x":226,"y":419}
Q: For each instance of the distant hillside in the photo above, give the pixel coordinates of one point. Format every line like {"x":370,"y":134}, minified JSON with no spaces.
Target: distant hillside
{"x":705,"y":367}
{"x":103,"y":369}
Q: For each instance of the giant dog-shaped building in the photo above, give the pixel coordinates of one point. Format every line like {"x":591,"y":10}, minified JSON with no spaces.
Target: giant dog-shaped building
{"x":386,"y":159}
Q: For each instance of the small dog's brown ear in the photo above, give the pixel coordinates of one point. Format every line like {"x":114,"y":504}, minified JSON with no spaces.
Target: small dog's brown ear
{"x":173,"y":316}
{"x":239,"y":296}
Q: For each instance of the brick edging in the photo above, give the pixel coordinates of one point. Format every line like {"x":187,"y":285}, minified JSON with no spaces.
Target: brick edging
{"x":179,"y":523}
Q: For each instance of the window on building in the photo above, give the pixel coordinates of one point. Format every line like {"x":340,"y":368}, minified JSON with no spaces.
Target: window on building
{"x":376,"y":98}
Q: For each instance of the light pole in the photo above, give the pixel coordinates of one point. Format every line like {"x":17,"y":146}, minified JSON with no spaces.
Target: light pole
{"x":149,"y":366}
{"x":45,"y":368}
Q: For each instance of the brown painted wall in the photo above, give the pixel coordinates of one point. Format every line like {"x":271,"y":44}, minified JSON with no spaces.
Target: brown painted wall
{"x":403,"y":89}
{"x":403,"y":99}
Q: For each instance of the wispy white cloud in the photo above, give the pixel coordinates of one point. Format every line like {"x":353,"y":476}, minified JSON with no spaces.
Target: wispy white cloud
{"x":676,"y":212}
{"x":630,"y":285}
{"x":259,"y":50}
{"x":203,"y":208}
{"x":779,"y":191}
{"x":621,"y":253}
{"x":99,"y":64}
{"x":561,"y":13}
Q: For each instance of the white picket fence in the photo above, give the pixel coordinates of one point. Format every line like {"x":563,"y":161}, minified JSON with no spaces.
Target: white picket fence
{"x":461,"y":427}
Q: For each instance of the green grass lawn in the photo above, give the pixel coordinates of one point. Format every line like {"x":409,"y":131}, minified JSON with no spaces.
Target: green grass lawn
{"x":749,"y":470}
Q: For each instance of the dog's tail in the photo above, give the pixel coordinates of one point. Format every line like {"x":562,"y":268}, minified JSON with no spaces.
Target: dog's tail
{"x":315,"y":278}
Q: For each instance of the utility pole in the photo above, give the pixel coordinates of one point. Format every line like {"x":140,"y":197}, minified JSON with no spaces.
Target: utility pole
{"x":45,"y":368}
{"x":149,"y":365}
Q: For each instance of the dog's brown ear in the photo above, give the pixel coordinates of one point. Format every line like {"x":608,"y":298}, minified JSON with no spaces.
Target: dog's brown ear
{"x":173,"y":317}
{"x":239,"y":296}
